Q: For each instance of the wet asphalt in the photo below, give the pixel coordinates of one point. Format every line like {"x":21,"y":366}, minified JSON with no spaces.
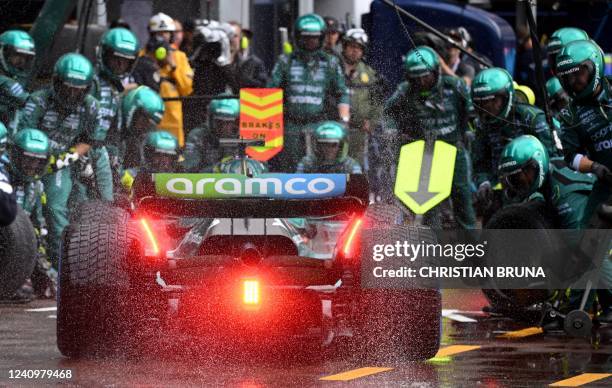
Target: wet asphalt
{"x":476,"y":350}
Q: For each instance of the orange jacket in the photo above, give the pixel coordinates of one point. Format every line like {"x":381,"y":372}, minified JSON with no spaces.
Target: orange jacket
{"x":175,"y":83}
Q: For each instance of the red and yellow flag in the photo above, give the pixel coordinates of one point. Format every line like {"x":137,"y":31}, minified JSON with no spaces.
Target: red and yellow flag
{"x":261,"y":117}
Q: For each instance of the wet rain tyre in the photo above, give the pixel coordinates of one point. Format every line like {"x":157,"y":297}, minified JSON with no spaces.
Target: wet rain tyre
{"x":99,"y":212}
{"x":17,"y":253}
{"x":94,"y":295}
{"x":397,"y":325}
{"x":515,"y":303}
{"x":382,"y":214}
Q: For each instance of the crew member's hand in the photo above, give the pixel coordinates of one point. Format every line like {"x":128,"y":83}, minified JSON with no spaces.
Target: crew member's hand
{"x":484,"y":191}
{"x":169,"y":60}
{"x":601,"y":172}
{"x":63,"y":160}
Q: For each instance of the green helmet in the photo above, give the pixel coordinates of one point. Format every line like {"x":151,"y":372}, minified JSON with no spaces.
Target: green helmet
{"x":490,"y":83}
{"x":553,"y":86}
{"x":3,"y":138}
{"x":161,"y":151}
{"x":246,"y":166}
{"x":17,"y":51}
{"x":421,"y":61}
{"x":117,"y":52}
{"x":560,"y":38}
{"x":573,"y":57}
{"x":523,"y":166}
{"x":145,"y":100}
{"x":558,"y":96}
{"x":334,"y":133}
{"x":30,"y":152}
{"x":225,"y":109}
{"x":74,"y":70}
{"x":309,"y":25}
{"x":72,"y":78}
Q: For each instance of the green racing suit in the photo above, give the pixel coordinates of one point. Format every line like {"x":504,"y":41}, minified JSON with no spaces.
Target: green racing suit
{"x":64,"y":129}
{"x":310,"y":81}
{"x":440,"y":115}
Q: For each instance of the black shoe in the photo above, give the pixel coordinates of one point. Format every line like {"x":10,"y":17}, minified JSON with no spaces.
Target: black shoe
{"x":605,"y":317}
{"x":25,"y":294}
{"x":554,"y":324}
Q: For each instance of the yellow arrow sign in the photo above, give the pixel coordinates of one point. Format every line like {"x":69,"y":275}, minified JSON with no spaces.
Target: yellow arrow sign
{"x":261,"y":114}
{"x":425,"y":178}
{"x":261,"y":101}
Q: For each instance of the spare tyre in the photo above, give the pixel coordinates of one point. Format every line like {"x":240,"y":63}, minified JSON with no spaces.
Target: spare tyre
{"x":17,"y":253}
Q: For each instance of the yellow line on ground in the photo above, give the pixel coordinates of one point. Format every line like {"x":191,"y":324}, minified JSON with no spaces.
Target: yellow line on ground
{"x":455,"y":349}
{"x":522,"y":333}
{"x":579,"y":380}
{"x":355,"y":374}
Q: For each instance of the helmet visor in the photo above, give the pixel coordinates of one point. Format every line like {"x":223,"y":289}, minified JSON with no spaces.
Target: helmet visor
{"x":31,"y":164}
{"x":491,"y":106}
{"x":119,"y":64}
{"x":162,"y":161}
{"x":577,"y":79}
{"x":519,"y":182}
{"x":142,"y":121}
{"x":310,"y":41}
{"x":226,"y":128}
{"x":19,"y":59}
{"x":69,"y":95}
{"x":422,"y":82}
{"x":327,"y":150}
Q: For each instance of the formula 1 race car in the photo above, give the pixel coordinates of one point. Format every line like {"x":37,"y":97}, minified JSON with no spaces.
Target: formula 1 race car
{"x":264,"y":260}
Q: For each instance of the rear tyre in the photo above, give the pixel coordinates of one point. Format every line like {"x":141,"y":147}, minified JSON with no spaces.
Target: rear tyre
{"x":395,"y":324}
{"x":17,"y":253}
{"x":99,"y":212}
{"x":99,"y":305}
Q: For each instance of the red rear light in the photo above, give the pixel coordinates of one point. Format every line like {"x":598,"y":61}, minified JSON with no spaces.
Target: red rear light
{"x":152,"y":247}
{"x":250,"y":294}
{"x":350,"y":240}
{"x":351,"y":243}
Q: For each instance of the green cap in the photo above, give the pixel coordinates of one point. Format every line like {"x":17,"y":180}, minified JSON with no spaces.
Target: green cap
{"x":491,"y":82}
{"x":569,"y":60}
{"x":16,"y":42}
{"x":74,"y":70}
{"x":520,"y":153}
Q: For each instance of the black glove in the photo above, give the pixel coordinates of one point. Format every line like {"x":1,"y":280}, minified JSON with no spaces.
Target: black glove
{"x":601,"y":172}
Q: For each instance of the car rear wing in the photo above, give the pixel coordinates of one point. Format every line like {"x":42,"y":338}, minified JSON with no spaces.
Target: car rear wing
{"x":262,"y":196}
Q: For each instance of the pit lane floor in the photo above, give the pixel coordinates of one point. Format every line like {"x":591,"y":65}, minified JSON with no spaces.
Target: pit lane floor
{"x":476,"y":350}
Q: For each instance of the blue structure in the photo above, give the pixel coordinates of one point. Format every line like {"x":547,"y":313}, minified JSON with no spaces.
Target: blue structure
{"x":492,"y":35}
